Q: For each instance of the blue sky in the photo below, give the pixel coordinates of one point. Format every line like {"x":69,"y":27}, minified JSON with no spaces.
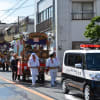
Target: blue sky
{"x":7,"y":4}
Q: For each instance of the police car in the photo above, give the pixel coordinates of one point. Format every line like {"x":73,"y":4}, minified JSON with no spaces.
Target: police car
{"x":81,"y":71}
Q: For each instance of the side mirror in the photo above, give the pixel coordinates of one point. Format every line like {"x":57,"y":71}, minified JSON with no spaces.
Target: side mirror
{"x":78,"y":65}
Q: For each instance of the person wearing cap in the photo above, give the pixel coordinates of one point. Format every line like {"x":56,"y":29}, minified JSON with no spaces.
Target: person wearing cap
{"x":14,"y":66}
{"x":34,"y":64}
{"x":51,"y":65}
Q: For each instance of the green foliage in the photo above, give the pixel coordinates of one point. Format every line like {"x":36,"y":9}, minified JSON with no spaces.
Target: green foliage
{"x":93,"y":30}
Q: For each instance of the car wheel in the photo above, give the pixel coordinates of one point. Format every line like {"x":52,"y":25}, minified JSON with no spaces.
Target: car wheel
{"x":64,"y":87}
{"x":87,"y":93}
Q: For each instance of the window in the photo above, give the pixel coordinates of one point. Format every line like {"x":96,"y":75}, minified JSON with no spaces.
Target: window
{"x":42,"y":16}
{"x":45,"y":15}
{"x":78,"y":59}
{"x":93,"y":61}
{"x":71,"y":60}
{"x":50,"y":12}
{"x":65,"y":60}
{"x":82,"y":10}
{"x":39,"y":17}
{"x":74,"y":59}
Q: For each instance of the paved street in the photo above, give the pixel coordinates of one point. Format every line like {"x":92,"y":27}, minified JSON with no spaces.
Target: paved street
{"x":24,"y":91}
{"x":11,"y":92}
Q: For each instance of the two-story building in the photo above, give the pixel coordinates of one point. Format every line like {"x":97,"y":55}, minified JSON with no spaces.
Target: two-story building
{"x":67,"y":21}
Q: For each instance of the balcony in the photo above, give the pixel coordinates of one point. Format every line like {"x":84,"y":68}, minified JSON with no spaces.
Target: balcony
{"x":44,"y":26}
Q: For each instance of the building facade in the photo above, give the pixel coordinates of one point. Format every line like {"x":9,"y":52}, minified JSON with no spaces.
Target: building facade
{"x":2,"y":31}
{"x":26,"y":24}
{"x":70,"y":18}
{"x":45,"y":19}
{"x":10,"y":31}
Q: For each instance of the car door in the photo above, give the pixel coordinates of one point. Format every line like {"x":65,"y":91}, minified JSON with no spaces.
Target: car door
{"x":71,"y":71}
{"x":79,"y":79}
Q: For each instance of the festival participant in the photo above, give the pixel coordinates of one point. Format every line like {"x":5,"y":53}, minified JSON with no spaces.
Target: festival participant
{"x":51,"y":65}
{"x":57,"y":63}
{"x":14,"y":67}
{"x":34,"y":64}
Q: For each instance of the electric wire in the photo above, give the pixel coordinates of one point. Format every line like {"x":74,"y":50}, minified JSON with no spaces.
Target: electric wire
{"x":10,"y":8}
{"x":15,"y":10}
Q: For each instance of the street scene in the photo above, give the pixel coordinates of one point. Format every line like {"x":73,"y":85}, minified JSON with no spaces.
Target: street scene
{"x":49,"y":50}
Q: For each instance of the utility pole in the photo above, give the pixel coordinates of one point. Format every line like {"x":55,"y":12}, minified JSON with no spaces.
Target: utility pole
{"x":18,"y":24}
{"x":53,"y":21}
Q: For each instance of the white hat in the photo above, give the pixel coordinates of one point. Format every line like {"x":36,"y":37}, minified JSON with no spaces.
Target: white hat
{"x":51,"y":52}
{"x":34,"y":54}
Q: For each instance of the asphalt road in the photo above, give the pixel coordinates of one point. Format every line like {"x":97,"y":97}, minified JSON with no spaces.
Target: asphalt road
{"x":9,"y":91}
{"x":20,"y":90}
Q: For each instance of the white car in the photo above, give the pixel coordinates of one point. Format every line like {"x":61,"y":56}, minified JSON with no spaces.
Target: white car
{"x":81,"y":71}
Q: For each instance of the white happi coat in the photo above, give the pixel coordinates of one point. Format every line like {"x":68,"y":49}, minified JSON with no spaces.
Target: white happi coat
{"x":57,"y":63}
{"x":32,"y":63}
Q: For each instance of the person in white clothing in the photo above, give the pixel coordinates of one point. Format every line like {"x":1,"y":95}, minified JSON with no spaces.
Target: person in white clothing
{"x":57,"y":63}
{"x":57,"y":60}
{"x":51,"y":65}
{"x":34,"y":64}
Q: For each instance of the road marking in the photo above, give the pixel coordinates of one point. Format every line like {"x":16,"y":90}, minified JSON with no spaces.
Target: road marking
{"x":27,"y":89}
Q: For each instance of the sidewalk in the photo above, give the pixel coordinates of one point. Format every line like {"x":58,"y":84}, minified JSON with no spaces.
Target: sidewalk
{"x":47,"y":77}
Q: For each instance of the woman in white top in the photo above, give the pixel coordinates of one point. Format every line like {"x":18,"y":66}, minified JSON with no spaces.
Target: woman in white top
{"x":51,"y":64}
{"x":34,"y":64}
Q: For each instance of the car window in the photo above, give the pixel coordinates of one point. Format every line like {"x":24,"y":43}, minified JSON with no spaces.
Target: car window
{"x":74,"y":59}
{"x":78,"y":59}
{"x":71,"y":60}
{"x":65,"y":60}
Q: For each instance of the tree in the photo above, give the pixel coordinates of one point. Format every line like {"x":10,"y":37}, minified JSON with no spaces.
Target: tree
{"x":93,"y":30}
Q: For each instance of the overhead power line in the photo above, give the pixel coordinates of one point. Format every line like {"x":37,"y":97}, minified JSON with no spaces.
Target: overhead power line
{"x":15,"y":9}
{"x":18,"y":2}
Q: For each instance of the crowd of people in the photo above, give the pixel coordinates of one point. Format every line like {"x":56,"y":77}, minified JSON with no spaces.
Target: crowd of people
{"x":52,"y":66}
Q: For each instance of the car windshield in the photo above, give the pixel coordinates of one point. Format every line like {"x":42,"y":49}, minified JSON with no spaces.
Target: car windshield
{"x":93,"y":61}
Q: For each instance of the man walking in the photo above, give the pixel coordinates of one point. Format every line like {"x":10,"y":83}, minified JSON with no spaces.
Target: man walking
{"x":52,"y":66}
{"x":57,"y":64}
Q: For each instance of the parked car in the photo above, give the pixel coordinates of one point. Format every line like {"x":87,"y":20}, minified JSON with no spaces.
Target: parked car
{"x":81,"y":72}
